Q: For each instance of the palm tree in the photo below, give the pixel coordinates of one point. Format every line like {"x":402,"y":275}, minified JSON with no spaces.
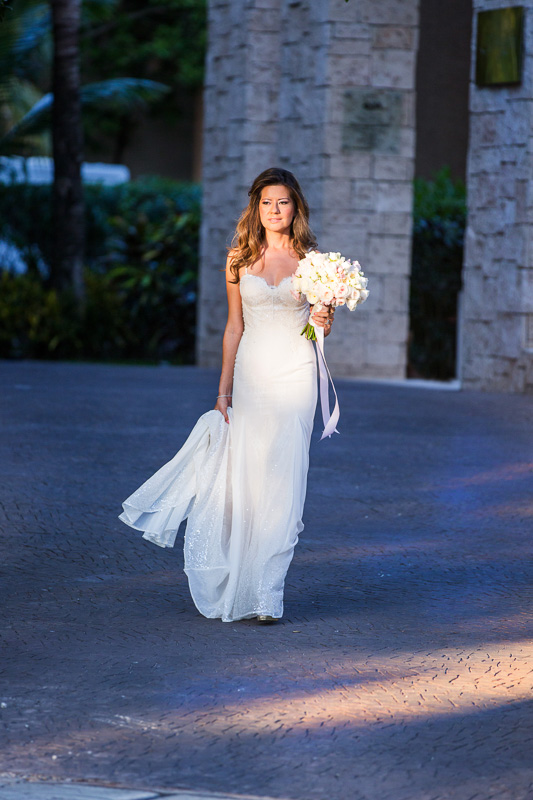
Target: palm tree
{"x":25,"y":60}
{"x":26,"y":114}
{"x":5,"y":5}
{"x":67,"y":138}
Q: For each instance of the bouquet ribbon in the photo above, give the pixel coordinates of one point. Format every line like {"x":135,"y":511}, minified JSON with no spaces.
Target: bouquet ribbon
{"x":329,"y":420}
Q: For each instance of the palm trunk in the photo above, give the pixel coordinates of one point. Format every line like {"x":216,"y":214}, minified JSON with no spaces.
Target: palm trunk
{"x":67,"y":133}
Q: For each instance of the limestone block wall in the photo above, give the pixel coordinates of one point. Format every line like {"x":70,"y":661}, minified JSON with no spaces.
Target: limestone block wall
{"x":240,"y":119}
{"x":326,"y":89}
{"x":496,"y":330}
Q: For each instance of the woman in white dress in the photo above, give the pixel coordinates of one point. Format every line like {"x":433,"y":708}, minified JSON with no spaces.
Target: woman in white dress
{"x":240,"y":479}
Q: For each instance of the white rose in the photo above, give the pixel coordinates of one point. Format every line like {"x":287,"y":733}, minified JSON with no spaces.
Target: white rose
{"x":297,"y":284}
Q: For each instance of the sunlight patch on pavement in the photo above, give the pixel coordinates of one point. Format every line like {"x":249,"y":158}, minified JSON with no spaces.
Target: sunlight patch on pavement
{"x":506,"y":472}
{"x":386,"y":689}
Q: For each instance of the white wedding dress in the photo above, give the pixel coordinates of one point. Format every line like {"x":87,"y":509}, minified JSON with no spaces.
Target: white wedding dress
{"x":242,"y":486}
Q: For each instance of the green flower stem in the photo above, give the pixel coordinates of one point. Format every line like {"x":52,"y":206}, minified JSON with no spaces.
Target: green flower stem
{"x":309,"y":332}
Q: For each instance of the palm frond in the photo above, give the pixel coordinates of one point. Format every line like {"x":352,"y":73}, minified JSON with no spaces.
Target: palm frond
{"x":36,"y":121}
{"x":22,"y":31}
{"x":5,"y":5}
{"x":124,"y":94}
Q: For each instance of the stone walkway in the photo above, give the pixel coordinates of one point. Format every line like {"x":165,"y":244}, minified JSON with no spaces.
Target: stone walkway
{"x":403,"y":669}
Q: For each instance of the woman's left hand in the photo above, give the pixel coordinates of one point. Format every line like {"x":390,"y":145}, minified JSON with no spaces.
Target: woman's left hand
{"x":324,"y":319}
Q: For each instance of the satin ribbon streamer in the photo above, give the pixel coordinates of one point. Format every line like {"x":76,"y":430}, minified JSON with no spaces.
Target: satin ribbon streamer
{"x":329,"y":420}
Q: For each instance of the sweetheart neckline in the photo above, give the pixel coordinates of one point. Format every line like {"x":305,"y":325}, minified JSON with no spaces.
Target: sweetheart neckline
{"x":270,"y":285}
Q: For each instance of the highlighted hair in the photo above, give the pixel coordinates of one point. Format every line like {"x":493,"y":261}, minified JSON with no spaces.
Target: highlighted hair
{"x":249,"y":242}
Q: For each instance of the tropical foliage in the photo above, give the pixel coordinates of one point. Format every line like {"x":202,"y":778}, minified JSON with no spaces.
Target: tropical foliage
{"x":158,"y":40}
{"x":161,"y":40}
{"x":5,"y":5}
{"x":132,"y":55}
{"x":438,"y":234}
{"x":140,"y":275}
{"x":26,"y":77}
{"x":25,"y":68}
{"x":164,"y":38}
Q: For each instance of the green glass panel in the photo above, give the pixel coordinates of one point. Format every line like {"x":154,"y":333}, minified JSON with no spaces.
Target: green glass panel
{"x":499,"y":46}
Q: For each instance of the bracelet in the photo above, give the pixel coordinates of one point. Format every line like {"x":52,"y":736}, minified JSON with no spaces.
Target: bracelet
{"x":223,"y":395}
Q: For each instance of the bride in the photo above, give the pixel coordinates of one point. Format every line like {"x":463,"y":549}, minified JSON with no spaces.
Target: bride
{"x":240,"y":478}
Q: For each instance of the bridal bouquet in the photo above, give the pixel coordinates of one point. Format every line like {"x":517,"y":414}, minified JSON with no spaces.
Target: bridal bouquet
{"x":328,"y":279}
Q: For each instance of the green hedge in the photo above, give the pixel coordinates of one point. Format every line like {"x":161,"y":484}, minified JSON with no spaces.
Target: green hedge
{"x":438,"y":234}
{"x":141,"y":275}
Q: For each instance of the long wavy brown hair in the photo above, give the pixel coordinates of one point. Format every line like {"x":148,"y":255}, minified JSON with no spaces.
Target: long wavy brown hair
{"x":249,"y":240}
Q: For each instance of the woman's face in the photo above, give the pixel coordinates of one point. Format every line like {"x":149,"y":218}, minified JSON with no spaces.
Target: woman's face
{"x":276,"y":209}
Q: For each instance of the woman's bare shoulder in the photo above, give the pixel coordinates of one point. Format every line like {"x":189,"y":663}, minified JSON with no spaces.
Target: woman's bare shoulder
{"x":233,"y":254}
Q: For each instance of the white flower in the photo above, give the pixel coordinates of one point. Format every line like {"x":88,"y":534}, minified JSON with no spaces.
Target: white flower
{"x":329,"y":278}
{"x":341,"y":290}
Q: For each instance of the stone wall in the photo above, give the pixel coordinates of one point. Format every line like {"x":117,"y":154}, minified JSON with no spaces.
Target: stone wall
{"x":496,"y":331}
{"x":324,"y":88}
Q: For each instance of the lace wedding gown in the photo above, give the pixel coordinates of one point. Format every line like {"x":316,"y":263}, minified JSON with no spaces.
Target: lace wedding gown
{"x":242,"y":486}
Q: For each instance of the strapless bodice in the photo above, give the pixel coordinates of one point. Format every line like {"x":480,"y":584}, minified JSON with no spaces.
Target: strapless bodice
{"x":264,"y":304}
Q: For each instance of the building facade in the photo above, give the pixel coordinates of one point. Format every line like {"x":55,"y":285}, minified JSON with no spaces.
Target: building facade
{"x":326,"y":88}
{"x":496,"y":327}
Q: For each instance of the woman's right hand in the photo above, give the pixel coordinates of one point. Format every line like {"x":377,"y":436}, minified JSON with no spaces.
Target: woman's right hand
{"x":222,"y":405}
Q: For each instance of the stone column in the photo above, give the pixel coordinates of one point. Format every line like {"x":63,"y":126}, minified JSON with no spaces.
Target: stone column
{"x":367,"y":162}
{"x":496,"y":331}
{"x":326,"y":89}
{"x":240,"y":125}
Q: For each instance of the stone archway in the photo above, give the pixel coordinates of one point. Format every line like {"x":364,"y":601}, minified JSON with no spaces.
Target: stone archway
{"x":325,"y":89}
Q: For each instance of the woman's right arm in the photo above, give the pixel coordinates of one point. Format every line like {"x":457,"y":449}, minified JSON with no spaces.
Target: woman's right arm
{"x":230,"y":343}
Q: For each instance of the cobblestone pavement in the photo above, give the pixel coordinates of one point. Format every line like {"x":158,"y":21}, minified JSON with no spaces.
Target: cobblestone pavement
{"x":403,"y":668}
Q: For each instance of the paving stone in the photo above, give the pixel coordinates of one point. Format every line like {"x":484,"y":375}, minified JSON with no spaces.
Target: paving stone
{"x":402,"y":669}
